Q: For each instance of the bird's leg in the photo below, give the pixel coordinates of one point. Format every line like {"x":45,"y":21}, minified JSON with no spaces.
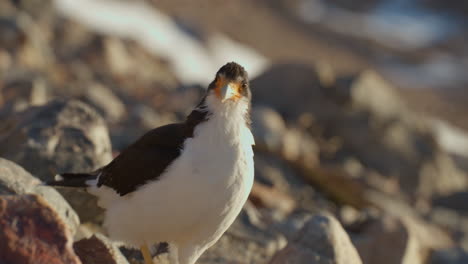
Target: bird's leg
{"x":146,"y":254}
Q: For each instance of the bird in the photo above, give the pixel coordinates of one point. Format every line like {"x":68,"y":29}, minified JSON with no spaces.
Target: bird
{"x":183,"y":183}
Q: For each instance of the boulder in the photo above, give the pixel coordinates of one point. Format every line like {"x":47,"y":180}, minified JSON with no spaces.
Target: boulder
{"x":271,"y":198}
{"x":105,"y":101}
{"x":455,"y":201}
{"x":268,"y":127}
{"x":398,"y":235}
{"x":321,"y":240}
{"x":33,"y":233}
{"x":98,"y":249}
{"x":389,"y":241}
{"x":22,"y":89}
{"x":15,"y":180}
{"x":273,"y":171}
{"x":449,"y":256}
{"x":61,"y":136}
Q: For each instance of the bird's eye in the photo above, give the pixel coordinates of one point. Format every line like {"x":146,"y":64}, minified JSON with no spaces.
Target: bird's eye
{"x":244,"y":85}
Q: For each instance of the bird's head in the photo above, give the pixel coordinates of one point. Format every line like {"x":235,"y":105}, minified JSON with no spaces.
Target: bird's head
{"x":227,"y":99}
{"x":231,"y":85}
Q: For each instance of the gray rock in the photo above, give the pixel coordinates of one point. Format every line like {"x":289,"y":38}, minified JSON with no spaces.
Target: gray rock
{"x":62,"y":136}
{"x":321,"y":240}
{"x":274,"y":171}
{"x":371,"y":93}
{"x":105,"y":101}
{"x":24,"y":89}
{"x":11,"y":34}
{"x":453,"y":222}
{"x":298,"y":146}
{"x":291,"y":83}
{"x":15,"y":180}
{"x":147,"y":116}
{"x":449,"y":256}
{"x":278,"y":203}
{"x":268,"y":127}
{"x":290,"y":226}
{"x":456,"y":201}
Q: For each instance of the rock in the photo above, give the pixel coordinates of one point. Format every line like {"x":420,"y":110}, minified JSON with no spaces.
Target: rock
{"x":62,"y":136}
{"x":271,"y":198}
{"x":400,"y":235}
{"x":272,"y":135}
{"x":290,"y":82}
{"x":455,"y":201}
{"x":290,"y":226}
{"x":272,"y":170}
{"x":322,"y":240}
{"x":11,"y":33}
{"x":389,"y":241}
{"x":147,"y":116}
{"x":268,"y":127}
{"x":98,"y":249}
{"x":369,"y":91}
{"x":449,"y":256}
{"x":33,"y":233}
{"x":118,"y":58}
{"x":15,"y":180}
{"x":452,"y":139}
{"x":300,"y":147}
{"x":129,"y":59}
{"x":453,"y":222}
{"x":23,"y":89}
{"x":105,"y":101}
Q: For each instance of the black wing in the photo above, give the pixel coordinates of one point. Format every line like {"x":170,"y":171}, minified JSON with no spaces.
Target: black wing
{"x":146,"y":159}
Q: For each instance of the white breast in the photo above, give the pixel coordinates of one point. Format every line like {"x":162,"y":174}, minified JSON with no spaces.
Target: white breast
{"x":201,"y":193}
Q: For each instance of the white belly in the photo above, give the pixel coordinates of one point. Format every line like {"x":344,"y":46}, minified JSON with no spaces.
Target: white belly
{"x":198,"y":197}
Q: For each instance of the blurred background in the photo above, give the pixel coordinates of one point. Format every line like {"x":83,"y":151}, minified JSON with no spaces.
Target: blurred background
{"x":359,"y":110}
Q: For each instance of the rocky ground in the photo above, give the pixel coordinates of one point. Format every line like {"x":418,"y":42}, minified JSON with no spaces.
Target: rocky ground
{"x":347,"y":171}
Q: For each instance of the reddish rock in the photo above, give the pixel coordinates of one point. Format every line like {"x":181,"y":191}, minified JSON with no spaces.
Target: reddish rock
{"x":31,"y":232}
{"x":98,"y":250}
{"x":93,"y":251}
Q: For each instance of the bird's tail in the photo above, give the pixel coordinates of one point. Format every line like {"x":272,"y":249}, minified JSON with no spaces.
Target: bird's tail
{"x":72,"y":180}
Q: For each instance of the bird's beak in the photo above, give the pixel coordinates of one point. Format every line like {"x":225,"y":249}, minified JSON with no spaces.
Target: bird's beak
{"x":228,"y":91}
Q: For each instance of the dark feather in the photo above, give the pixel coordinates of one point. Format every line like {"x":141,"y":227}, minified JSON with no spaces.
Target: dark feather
{"x":147,"y":158}
{"x":73,"y":180}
